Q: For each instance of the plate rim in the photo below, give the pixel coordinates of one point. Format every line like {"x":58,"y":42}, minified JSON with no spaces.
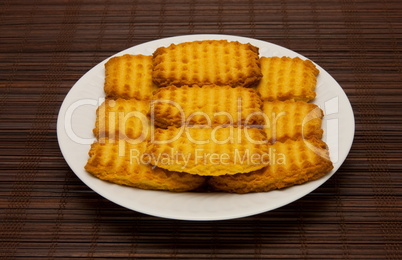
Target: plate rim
{"x":181,"y":38}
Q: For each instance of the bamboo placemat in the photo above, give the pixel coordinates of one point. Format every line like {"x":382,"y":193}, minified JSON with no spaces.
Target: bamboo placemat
{"x":46,"y":212}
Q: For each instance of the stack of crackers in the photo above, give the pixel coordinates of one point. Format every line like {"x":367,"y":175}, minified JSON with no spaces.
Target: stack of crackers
{"x":209,"y":115}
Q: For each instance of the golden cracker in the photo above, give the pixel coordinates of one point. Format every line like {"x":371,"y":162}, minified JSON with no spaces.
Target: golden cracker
{"x":292,"y":119}
{"x":287,"y":78}
{"x":292,"y":162}
{"x":129,"y":76}
{"x":207,"y":105}
{"x":121,"y":162}
{"x":123,"y":119}
{"x":208,"y":151}
{"x":207,"y":62}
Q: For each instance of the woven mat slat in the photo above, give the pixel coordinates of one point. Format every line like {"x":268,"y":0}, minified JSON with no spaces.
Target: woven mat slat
{"x":46,"y":212}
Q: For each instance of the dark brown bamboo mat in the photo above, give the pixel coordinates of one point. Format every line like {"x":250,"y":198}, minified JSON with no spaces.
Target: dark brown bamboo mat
{"x":46,"y":212}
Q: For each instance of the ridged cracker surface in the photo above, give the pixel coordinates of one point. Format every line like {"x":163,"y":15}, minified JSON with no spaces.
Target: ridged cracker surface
{"x":206,"y":105}
{"x":123,"y":119}
{"x":120,"y":162}
{"x":287,"y":78}
{"x":129,"y":76}
{"x":292,"y":162}
{"x":207,"y":62}
{"x":208,"y":151}
{"x":292,"y":119}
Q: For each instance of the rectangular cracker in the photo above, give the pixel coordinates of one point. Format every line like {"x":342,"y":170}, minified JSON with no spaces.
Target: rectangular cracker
{"x":292,"y":162}
{"x":292,"y":119}
{"x":208,"y":151}
{"x":123,"y":119}
{"x":207,"y":105}
{"x":121,"y":162}
{"x":207,"y":62}
{"x":287,"y":78}
{"x":129,"y":76}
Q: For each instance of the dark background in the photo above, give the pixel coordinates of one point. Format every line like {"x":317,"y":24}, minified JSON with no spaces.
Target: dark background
{"x":46,"y":212}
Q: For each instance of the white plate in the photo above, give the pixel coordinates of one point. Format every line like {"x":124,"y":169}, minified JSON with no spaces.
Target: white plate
{"x":77,"y":119}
